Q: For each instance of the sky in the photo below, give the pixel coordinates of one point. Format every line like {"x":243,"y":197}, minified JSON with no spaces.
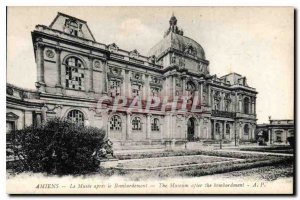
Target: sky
{"x":255,"y":42}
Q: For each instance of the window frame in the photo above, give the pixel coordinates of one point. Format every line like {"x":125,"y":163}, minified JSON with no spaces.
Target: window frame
{"x":246,"y":105}
{"x":246,"y":127}
{"x":228,"y":129}
{"x":74,"y":65}
{"x":77,"y":121}
{"x":155,"y":125}
{"x":136,"y":92}
{"x":136,"y":124}
{"x":115,"y":87}
{"x":117,"y":117}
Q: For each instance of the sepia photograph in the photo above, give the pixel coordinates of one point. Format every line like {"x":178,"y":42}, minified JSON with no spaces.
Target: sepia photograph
{"x":150,"y":100}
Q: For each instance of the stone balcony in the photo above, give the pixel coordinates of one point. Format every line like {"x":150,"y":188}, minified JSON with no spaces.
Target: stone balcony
{"x":218,"y":113}
{"x":243,"y":115}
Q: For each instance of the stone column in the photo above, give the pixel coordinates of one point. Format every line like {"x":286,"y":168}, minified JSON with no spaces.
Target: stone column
{"x":253,"y":131}
{"x":254,"y":105}
{"x":161,"y":129}
{"x":230,"y":132}
{"x":146,"y":87}
{"x":28,"y":118}
{"x":126,"y":84}
{"x":58,"y":67}
{"x":105,"y":79}
{"x":235,"y":133}
{"x":236,"y":103}
{"x":91,"y":74}
{"x":40,"y":67}
{"x":173,"y":86}
{"x":270,"y":136}
{"x":201,"y":94}
{"x":44,"y":114}
{"x":171,"y":126}
{"x":200,"y":128}
{"x":212,"y":101}
{"x":38,"y":119}
{"x":128,"y":126}
{"x":209,"y":96}
{"x":197,"y":98}
{"x":183,"y":86}
{"x":148,"y":124}
{"x":214,"y":130}
{"x":224,"y":129}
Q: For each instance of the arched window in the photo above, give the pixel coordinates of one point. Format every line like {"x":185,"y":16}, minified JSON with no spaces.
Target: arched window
{"x":246,"y":106}
{"x":190,"y":88}
{"x":73,"y":27}
{"x":227,"y":129}
{"x":76,"y":116}
{"x":218,"y":128}
{"x":155,"y":124}
{"x":74,"y":73}
{"x":115,"y":123}
{"x":246,"y":129}
{"x":136,"y":124}
{"x":155,"y":91}
{"x":217,"y":100}
{"x":227,"y":102}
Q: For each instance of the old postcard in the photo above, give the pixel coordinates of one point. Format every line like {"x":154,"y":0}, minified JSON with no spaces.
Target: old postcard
{"x":150,"y":100}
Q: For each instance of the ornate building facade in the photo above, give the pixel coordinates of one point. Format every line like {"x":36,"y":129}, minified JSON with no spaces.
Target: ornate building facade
{"x":74,"y":71}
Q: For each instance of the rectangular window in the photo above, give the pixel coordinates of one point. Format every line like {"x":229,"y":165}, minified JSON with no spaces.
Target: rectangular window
{"x":155,"y":92}
{"x":136,"y":90}
{"x":115,"y":88}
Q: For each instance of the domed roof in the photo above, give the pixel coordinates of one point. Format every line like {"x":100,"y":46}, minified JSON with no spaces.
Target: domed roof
{"x":178,"y":42}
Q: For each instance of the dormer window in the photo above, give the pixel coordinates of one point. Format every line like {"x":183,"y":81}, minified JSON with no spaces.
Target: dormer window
{"x":73,"y":27}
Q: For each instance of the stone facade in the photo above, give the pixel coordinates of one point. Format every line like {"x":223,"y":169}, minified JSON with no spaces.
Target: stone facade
{"x":276,"y":131}
{"x":74,"y":71}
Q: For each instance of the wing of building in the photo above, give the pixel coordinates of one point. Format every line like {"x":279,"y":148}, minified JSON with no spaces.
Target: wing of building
{"x":277,"y":131}
{"x":74,"y":71}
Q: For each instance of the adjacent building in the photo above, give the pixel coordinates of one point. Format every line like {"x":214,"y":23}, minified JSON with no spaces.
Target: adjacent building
{"x":276,"y":131}
{"x":74,"y":71}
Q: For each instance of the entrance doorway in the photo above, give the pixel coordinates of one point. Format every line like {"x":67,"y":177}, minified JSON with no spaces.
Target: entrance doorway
{"x":191,"y":129}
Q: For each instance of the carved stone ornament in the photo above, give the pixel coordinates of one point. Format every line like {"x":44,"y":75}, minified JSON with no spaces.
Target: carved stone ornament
{"x":9,"y":91}
{"x":50,"y":53}
{"x":97,"y":64}
{"x":113,"y":47}
{"x":134,"y":54}
{"x":152,"y":59}
{"x":200,"y":67}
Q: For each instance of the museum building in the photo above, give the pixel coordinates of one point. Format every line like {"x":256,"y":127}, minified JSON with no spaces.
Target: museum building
{"x":74,"y":71}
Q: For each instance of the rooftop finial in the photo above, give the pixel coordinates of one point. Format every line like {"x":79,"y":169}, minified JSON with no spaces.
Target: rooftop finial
{"x":173,"y":20}
{"x":173,"y":26}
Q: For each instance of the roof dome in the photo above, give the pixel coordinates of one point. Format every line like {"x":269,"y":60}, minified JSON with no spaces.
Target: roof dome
{"x":174,"y":39}
{"x":178,"y":42}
